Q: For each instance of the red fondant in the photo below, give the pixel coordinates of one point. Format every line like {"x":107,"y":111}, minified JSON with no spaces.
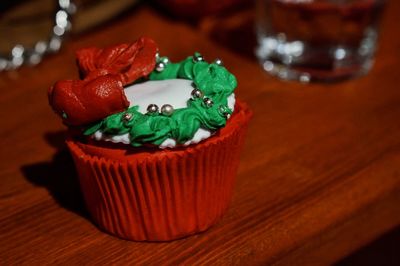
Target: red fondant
{"x":128,"y":61}
{"x":105,"y":71}
{"x":81,"y":102}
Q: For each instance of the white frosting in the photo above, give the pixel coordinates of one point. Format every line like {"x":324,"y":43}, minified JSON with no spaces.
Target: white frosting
{"x":175,"y":92}
{"x":200,"y":134}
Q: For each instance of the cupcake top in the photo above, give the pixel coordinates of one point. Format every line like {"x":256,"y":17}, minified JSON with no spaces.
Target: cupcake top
{"x":129,"y":94}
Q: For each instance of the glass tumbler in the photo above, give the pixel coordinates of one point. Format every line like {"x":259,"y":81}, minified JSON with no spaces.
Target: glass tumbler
{"x":317,"y":40}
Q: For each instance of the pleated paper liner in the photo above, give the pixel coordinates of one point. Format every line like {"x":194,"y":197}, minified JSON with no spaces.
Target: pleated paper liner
{"x":164,"y":194}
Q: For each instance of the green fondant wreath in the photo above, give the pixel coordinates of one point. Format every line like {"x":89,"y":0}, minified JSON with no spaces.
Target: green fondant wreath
{"x":208,"y":107}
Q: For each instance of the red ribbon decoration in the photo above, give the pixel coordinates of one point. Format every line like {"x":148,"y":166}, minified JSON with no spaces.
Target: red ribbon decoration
{"x":104,"y":71}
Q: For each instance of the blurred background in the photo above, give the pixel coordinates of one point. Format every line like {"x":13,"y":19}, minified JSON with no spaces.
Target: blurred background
{"x":39,"y":27}
{"x":319,"y":40}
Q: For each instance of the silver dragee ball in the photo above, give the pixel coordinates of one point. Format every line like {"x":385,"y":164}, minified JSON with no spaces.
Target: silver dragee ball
{"x":126,"y":117}
{"x":160,"y":66}
{"x":223,"y":110}
{"x":167,"y":109}
{"x":196,"y":93}
{"x":218,"y":62}
{"x":152,"y":108}
{"x":208,"y":102}
{"x":198,"y":58}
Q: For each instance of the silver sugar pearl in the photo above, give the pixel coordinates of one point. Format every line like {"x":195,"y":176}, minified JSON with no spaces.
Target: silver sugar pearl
{"x":160,"y":66}
{"x":198,"y":58}
{"x":208,"y":102}
{"x":218,"y":62}
{"x":165,"y":60}
{"x":167,"y":109}
{"x":196,"y":93}
{"x":157,"y":55}
{"x":224,"y":111}
{"x":152,"y":109}
{"x":126,"y":117}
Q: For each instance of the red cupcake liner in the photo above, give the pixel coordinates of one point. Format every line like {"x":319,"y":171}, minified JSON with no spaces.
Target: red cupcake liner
{"x":161,"y":195}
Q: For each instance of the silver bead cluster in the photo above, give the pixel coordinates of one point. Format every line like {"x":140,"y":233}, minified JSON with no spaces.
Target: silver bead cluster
{"x":161,"y":63}
{"x":198,"y":94}
{"x":166,"y":109}
{"x":199,"y":58}
{"x":20,"y":55}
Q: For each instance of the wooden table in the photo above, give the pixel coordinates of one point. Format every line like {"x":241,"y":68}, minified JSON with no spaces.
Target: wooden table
{"x":319,"y":175}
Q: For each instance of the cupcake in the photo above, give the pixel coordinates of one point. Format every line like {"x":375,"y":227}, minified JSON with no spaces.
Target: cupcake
{"x":156,"y":144}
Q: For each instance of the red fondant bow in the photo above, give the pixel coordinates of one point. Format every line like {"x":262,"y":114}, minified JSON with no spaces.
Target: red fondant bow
{"x":104,"y":71}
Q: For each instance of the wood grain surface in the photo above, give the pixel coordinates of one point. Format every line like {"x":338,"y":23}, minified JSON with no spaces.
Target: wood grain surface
{"x":319,"y":175}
